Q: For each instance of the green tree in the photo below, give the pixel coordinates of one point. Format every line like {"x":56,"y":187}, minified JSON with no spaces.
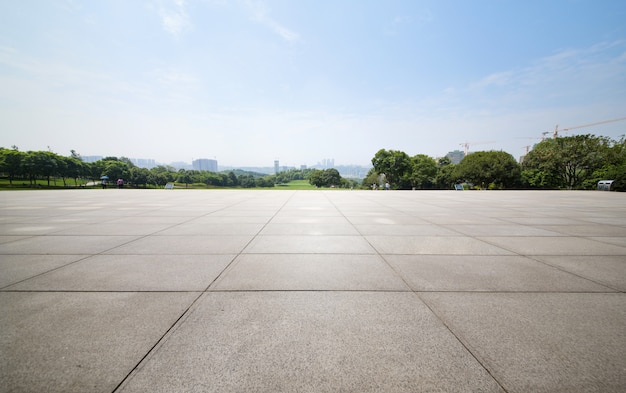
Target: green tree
{"x":423,"y":172}
{"x":184,"y":177}
{"x":565,"y":162}
{"x":493,"y":169}
{"x":139,"y":176}
{"x":445,"y":174}
{"x":325,"y":178}
{"x":11,"y":162}
{"x":116,"y":170}
{"x":370,"y":179}
{"x":41,"y":163}
{"x":74,"y":168}
{"x":395,"y":165}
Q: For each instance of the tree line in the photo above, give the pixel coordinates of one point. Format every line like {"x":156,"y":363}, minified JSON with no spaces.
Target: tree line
{"x":573,"y":162}
{"x":37,"y":165}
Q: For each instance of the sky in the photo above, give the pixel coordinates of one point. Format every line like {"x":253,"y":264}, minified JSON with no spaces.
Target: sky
{"x":248,"y":82}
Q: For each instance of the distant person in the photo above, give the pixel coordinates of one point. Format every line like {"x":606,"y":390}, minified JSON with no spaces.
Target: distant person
{"x":387,"y":186}
{"x":120,"y":183}
{"x":104,"y":183}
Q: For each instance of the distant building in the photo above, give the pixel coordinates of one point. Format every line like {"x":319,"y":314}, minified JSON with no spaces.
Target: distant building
{"x":181,"y":165}
{"x":327,"y":163}
{"x":91,"y":158}
{"x":456,"y":156}
{"x":144,"y":162}
{"x":276,"y":166}
{"x":205,"y":164}
{"x":302,"y":167}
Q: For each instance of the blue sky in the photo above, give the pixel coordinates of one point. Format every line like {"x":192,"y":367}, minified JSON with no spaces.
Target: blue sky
{"x":248,"y":82}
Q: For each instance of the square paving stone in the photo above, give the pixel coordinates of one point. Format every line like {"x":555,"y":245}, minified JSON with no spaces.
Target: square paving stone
{"x":606,"y":270}
{"x":180,"y":245}
{"x":542,"y":342}
{"x":555,"y":246}
{"x":194,"y":228}
{"x":443,"y":245}
{"x":132,"y":273}
{"x":64,"y":245}
{"x":486,"y":273}
{"x":108,"y":228}
{"x":15,"y":268}
{"x":405,"y":230}
{"x":504,"y":230}
{"x":310,"y":342}
{"x":309,"y":229}
{"x":80,"y":342}
{"x":321,"y":244}
{"x":309,"y":272}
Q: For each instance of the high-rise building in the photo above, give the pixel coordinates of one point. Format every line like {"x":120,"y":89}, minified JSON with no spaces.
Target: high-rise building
{"x":456,"y":156}
{"x":276,"y":166}
{"x":205,"y":164}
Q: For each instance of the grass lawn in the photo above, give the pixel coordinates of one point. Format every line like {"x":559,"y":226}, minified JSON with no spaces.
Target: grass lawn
{"x":21,"y":184}
{"x":296,"y":185}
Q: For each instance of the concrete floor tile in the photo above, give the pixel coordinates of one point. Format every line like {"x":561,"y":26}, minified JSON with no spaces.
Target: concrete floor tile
{"x":108,"y":228}
{"x":618,"y":241}
{"x":260,"y":272}
{"x":80,"y":342}
{"x":588,"y":230}
{"x":310,"y":342}
{"x":605,"y":270}
{"x":10,"y":239}
{"x":322,"y":244}
{"x":405,"y":230}
{"x":132,"y":273}
{"x":215,"y":220}
{"x":15,"y":268}
{"x":542,"y":342}
{"x":184,"y":245}
{"x":531,"y":245}
{"x":32,"y":229}
{"x":64,"y":245}
{"x":445,"y":245}
{"x":504,"y":230}
{"x":486,"y":273}
{"x":194,"y":228}
{"x":328,"y":220}
{"x":385,"y":219}
{"x":309,"y":229}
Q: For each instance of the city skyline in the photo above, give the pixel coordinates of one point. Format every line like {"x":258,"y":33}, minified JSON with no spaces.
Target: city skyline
{"x":254,"y":80}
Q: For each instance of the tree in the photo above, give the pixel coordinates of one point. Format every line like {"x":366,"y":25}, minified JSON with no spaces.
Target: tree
{"x":139,"y":176}
{"x":41,"y":163}
{"x":445,"y":174}
{"x":11,"y":162}
{"x":566,"y":162}
{"x":116,"y":170}
{"x":184,"y":177}
{"x":325,"y":178}
{"x":423,"y":172}
{"x":493,"y":169}
{"x":396,"y":165}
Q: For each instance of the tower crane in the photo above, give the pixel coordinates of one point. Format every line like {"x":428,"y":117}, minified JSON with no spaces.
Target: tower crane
{"x":466,"y":145}
{"x":556,"y":129}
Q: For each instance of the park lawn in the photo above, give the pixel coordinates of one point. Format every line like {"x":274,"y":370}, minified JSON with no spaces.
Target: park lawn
{"x":296,"y":185}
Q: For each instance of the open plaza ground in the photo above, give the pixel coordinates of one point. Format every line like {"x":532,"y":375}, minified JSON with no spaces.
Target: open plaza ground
{"x":312,"y":291}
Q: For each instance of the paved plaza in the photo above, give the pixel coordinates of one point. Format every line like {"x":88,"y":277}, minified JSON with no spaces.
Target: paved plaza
{"x":312,"y":291}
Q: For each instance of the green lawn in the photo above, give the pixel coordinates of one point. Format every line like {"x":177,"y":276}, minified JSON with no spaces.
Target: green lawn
{"x":21,"y":184}
{"x":296,"y":185}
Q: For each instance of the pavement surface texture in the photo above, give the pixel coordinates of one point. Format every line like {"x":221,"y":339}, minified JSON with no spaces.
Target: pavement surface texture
{"x":312,"y":291}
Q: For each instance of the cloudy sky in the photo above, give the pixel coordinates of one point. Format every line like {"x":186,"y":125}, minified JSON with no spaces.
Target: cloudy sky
{"x":248,"y":82}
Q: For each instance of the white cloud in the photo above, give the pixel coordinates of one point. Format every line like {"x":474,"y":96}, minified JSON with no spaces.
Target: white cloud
{"x":174,"y":16}
{"x":259,"y":12}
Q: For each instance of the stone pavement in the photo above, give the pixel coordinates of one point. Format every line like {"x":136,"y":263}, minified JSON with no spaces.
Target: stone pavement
{"x":312,"y":291}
